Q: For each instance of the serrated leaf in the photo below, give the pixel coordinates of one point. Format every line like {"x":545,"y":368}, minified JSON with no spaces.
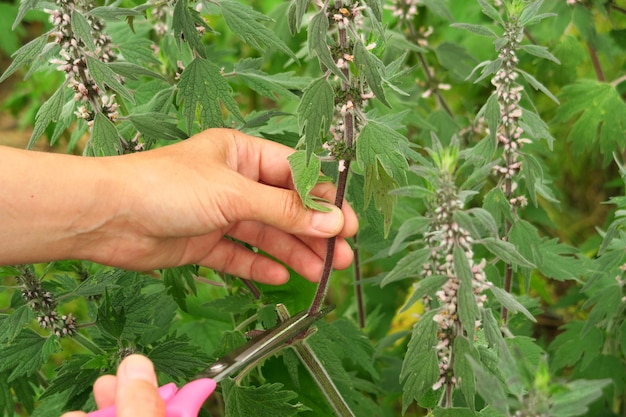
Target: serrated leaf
{"x":305,"y":176}
{"x":132,"y":71}
{"x":510,"y":303}
{"x":178,"y":358}
{"x":420,"y":369}
{"x":25,"y":7}
{"x":202,"y":86}
{"x":11,"y":326}
{"x":179,"y":282}
{"x":105,"y":77}
{"x":112,"y":12}
{"x":577,"y":396}
{"x":157,"y":126}
{"x":600,"y":117}
{"x":413,"y":226}
{"x":408,"y":267}
{"x":317,"y":42}
{"x":538,"y":86}
{"x":378,"y":143}
{"x":463,"y":372}
{"x":269,"y":400}
{"x":372,"y":67}
{"x":606,"y":303}
{"x":184,"y":22}
{"x":467,"y":305}
{"x":105,"y":139}
{"x":47,"y":113}
{"x":110,"y":320}
{"x":570,"y":348}
{"x":245,"y":22}
{"x":491,"y":11}
{"x":489,"y":386}
{"x":506,"y":252}
{"x":233,"y":304}
{"x":26,"y":353}
{"x":26,"y":54}
{"x":540,"y":51}
{"x":297,"y":10}
{"x":72,"y":377}
{"x":425,"y":287}
{"x":477,"y":29}
{"x":529,"y":12}
{"x":272,"y":86}
{"x":440,"y":8}
{"x":82,"y":29}
{"x":352,"y":343}
{"x":453,"y":412}
{"x":315,"y":112}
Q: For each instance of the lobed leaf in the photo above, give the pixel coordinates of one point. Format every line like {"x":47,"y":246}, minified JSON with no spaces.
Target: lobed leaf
{"x":245,"y":22}
{"x":203,"y":87}
{"x":315,"y":112}
{"x":269,"y":400}
{"x":318,"y":43}
{"x":305,"y":176}
{"x":105,"y":139}
{"x":25,"y":55}
{"x":184,"y":22}
{"x":178,"y":358}
{"x":372,"y":68}
{"x":105,"y":77}
{"x":47,"y":113}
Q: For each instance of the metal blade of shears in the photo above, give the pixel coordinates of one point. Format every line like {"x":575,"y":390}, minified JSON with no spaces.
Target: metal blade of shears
{"x":262,"y":345}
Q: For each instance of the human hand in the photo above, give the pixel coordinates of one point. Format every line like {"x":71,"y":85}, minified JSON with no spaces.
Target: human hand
{"x":179,"y":202}
{"x":133,"y":391}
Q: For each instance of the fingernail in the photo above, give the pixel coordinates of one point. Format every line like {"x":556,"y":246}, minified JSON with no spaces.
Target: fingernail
{"x":137,"y":367}
{"x":328,"y":222}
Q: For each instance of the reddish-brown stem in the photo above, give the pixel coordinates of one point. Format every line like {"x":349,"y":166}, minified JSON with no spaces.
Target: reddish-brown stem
{"x":322,"y":288}
{"x":596,"y":62}
{"x":358,"y":290}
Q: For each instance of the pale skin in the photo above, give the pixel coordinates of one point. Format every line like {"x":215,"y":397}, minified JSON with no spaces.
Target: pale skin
{"x":176,"y":205}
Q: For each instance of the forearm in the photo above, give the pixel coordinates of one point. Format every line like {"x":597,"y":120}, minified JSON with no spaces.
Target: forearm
{"x":51,"y":205}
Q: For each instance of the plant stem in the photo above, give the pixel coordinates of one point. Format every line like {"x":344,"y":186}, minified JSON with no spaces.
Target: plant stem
{"x":322,"y":288}
{"x":358,"y":288}
{"x":618,"y":81}
{"x":596,"y":63}
{"x":323,"y":380}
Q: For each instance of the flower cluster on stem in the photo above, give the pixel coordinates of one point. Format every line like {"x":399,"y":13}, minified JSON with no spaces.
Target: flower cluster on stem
{"x":73,"y":58}
{"x":510,"y":133}
{"x":443,"y":236}
{"x":44,"y":304}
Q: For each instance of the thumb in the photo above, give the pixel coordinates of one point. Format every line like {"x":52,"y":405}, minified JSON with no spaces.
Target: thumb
{"x":137,"y":393}
{"x":284,"y":210}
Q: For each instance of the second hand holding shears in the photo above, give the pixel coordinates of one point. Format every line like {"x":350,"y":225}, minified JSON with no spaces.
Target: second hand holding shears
{"x":187,"y":401}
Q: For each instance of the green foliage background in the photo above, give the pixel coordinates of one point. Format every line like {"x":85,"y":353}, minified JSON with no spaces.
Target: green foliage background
{"x":564,"y":249}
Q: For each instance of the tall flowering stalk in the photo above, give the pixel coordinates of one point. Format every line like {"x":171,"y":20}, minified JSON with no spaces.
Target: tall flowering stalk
{"x":75,"y":49}
{"x":443,"y":237}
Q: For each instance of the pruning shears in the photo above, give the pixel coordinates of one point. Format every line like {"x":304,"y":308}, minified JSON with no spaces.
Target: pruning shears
{"x":187,"y":401}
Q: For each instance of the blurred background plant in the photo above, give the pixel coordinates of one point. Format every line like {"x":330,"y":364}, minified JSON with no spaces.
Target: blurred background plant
{"x":499,"y":290}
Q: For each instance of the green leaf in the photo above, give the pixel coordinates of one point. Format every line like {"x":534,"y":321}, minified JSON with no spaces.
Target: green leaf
{"x":506,"y":252}
{"x":105,"y":139}
{"x":157,"y":126}
{"x":369,"y":65}
{"x":379,"y":155}
{"x":510,"y":303}
{"x":317,"y":41}
{"x":408,"y":267}
{"x":463,"y":371}
{"x":453,"y":412}
{"x":606,"y":304}
{"x":202,"y":86}
{"x":25,"y":55}
{"x":82,"y":29}
{"x":269,"y":400}
{"x":105,"y":76}
{"x":272,"y":86}
{"x":178,"y":358}
{"x":180,"y":282}
{"x":26,"y":354}
{"x":575,"y":400}
{"x":491,"y":11}
{"x":305,"y":177}
{"x":600,"y":117}
{"x":477,"y":29}
{"x":297,"y":10}
{"x":113,"y":13}
{"x":537,"y":85}
{"x":11,"y":327}
{"x":132,"y":71}
{"x":492,"y":331}
{"x":315,"y":112}
{"x":111,"y":320}
{"x":25,"y":7}
{"x":425,"y":287}
{"x":245,"y":22}
{"x":540,"y":51}
{"x":420,"y":369}
{"x":47,"y":113}
{"x":489,"y":386}
{"x":184,"y":22}
{"x":467,"y":305}
{"x":411,"y":227}
{"x":73,"y":378}
{"x":570,"y":348}
{"x":233,"y":304}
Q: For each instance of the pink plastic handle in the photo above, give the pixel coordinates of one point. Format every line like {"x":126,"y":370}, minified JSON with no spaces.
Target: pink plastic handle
{"x":184,"y":402}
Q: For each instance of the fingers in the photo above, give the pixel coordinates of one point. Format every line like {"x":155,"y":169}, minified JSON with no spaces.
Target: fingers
{"x":136,"y":393}
{"x":104,"y":391}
